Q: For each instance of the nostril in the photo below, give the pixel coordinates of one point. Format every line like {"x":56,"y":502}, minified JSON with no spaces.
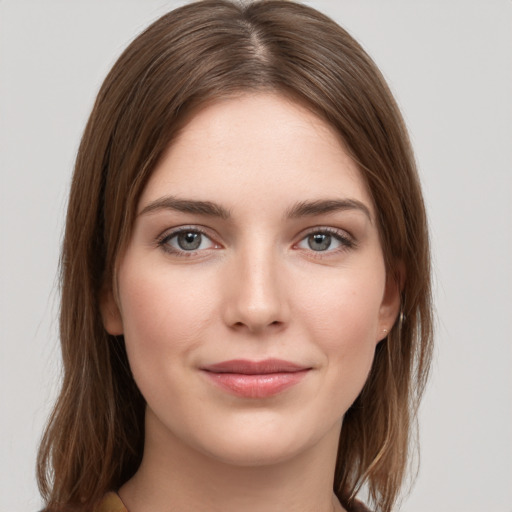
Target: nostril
{"x":256,"y":327}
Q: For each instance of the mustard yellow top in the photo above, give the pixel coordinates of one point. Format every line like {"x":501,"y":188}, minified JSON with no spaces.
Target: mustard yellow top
{"x":111,"y":503}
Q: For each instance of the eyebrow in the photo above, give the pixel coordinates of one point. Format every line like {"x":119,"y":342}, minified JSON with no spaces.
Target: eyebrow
{"x":187,"y":206}
{"x":324,"y":206}
{"x":211,"y":209}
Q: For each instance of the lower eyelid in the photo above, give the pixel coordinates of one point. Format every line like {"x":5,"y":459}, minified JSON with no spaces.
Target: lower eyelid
{"x":162,"y":240}
{"x":345,"y":240}
{"x":342,"y":237}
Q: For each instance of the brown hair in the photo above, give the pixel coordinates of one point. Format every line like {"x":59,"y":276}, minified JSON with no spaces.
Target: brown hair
{"x":196,"y":53}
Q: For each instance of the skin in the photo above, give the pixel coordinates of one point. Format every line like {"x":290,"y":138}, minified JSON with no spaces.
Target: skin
{"x":253,"y":289}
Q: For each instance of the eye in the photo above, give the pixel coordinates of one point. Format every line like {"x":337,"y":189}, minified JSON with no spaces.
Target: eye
{"x":186,"y":240}
{"x":325,"y":240}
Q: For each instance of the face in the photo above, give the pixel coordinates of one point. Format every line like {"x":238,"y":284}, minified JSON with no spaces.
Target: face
{"x":253,"y":291}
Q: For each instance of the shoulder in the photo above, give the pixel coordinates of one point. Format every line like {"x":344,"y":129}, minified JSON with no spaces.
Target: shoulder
{"x":111,"y":502}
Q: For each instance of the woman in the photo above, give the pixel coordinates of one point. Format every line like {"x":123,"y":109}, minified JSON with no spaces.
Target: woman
{"x":246,"y":319}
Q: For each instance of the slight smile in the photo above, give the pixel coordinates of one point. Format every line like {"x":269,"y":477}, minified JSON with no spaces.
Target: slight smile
{"x":255,"y":379}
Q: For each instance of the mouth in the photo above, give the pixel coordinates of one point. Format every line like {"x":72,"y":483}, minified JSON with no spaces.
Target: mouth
{"x":255,"y":379}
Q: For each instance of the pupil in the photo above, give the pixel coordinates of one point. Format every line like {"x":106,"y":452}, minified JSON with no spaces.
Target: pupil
{"x":189,"y":241}
{"x":319,"y":242}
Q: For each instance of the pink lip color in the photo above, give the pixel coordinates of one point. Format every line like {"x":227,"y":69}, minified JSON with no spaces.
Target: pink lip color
{"x":255,"y":379}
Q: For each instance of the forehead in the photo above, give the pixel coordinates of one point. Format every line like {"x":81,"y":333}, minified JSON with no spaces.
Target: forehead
{"x":245,"y":147}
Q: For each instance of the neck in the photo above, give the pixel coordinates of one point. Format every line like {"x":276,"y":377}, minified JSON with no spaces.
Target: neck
{"x":174,"y":477}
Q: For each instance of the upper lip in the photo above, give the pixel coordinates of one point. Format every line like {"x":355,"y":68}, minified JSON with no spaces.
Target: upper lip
{"x":247,"y":367}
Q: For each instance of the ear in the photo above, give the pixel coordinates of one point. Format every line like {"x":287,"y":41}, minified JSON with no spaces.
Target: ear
{"x":391,"y":301}
{"x":110,"y":313}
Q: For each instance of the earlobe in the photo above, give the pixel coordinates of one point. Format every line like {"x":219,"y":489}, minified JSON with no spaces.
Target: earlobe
{"x":391,"y":302}
{"x":110,"y":314}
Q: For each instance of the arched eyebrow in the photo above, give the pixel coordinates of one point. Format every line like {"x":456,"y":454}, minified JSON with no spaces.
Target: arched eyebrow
{"x":211,"y":209}
{"x":324,"y":206}
{"x":207,"y":208}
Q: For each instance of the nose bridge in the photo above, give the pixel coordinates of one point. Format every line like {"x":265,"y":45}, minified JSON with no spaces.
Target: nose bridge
{"x":256,"y":298}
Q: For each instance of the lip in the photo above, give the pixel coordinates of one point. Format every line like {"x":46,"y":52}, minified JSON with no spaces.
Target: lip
{"x":255,"y":379}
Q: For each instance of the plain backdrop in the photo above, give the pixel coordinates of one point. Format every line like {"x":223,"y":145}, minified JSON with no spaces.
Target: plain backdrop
{"x":449,"y":63}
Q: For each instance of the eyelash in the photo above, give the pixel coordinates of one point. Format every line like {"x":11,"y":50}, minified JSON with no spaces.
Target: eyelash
{"x":346,"y":241}
{"x":165,"y":238}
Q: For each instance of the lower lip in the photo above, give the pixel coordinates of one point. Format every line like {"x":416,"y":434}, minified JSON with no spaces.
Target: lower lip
{"x":256,"y":386}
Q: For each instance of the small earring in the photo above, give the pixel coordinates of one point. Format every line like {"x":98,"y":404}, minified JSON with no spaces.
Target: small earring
{"x":385,"y":331}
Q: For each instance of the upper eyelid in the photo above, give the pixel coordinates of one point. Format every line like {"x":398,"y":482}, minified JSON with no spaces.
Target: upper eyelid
{"x":346,"y":240}
{"x":214,"y":237}
{"x":342,"y":233}
{"x":162,"y":242}
{"x":169,"y":232}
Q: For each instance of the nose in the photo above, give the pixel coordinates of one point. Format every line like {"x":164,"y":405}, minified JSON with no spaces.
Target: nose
{"x":255,"y":300}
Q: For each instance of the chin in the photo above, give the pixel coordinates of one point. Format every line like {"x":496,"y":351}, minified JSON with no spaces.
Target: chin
{"x":267,"y":443}
{"x":254,"y":454}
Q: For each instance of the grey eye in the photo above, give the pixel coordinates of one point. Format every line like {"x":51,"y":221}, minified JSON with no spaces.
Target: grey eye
{"x":186,"y":241}
{"x":189,"y":240}
{"x":319,"y":241}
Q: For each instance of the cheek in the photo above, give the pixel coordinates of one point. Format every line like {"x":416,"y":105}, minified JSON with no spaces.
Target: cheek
{"x":345,"y":308}
{"x":163,"y":316}
{"x":343,"y":321}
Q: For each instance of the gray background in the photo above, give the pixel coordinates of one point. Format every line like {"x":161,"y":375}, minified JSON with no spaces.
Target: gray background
{"x":449,"y":64}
